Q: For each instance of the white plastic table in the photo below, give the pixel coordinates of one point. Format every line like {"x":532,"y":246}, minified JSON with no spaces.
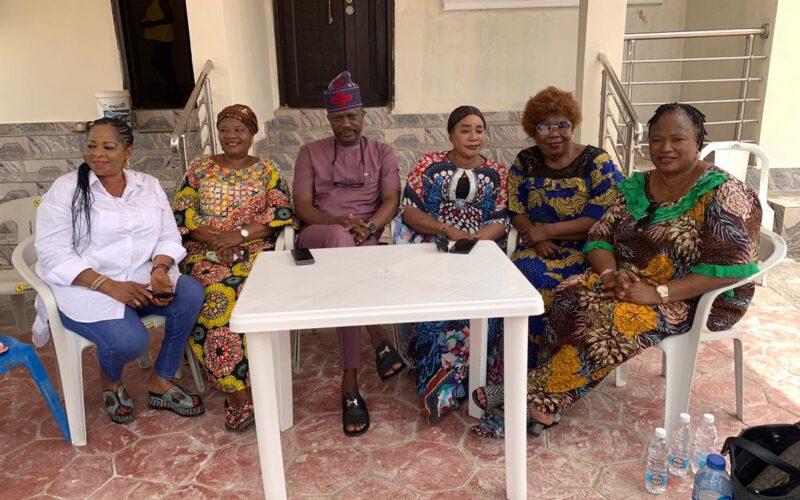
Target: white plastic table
{"x":382,"y":285}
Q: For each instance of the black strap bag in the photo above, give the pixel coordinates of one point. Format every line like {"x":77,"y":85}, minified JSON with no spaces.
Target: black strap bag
{"x":765,"y":462}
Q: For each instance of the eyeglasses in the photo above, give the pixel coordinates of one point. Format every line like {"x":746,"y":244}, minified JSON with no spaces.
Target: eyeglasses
{"x":333,"y":170}
{"x":351,"y":117}
{"x":545,"y":128}
{"x":649,"y":215}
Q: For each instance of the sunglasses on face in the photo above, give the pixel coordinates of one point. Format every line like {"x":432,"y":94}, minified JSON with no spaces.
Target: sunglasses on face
{"x":649,"y":214}
{"x":545,"y":128}
{"x":350,"y":117}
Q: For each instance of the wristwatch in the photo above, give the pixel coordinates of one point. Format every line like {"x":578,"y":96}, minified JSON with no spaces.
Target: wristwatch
{"x":245,"y":234}
{"x":372,"y":228}
{"x":664,"y":292}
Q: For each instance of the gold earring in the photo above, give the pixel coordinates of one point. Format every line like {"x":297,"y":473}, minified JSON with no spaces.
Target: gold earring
{"x":127,"y":163}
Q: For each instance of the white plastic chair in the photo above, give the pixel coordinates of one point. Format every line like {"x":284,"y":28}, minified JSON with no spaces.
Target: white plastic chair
{"x":734,"y":157}
{"x":680,"y":351}
{"x":69,"y":345}
{"x":22,"y":212}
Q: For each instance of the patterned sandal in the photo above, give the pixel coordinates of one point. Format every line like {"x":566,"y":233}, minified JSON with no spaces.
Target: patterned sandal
{"x":493,"y":394}
{"x":536,"y":428}
{"x":178,"y":400}
{"x":119,"y":405}
{"x":239,"y":417}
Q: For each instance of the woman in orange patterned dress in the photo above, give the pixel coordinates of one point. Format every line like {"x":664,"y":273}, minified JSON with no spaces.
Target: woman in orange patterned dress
{"x":229,"y":208}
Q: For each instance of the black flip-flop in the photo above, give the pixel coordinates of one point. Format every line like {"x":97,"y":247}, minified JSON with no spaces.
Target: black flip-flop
{"x":354,"y":412}
{"x":386,"y":356}
{"x":536,"y":428}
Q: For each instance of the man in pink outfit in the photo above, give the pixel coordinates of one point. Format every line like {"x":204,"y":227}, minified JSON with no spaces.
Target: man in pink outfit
{"x":346,"y":190}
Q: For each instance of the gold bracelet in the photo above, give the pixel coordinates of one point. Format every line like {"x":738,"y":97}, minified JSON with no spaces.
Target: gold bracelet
{"x":606,"y":272}
{"x":99,"y":281}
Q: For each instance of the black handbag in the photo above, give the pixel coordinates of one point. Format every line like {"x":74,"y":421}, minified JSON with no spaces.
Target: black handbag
{"x":757,"y":470}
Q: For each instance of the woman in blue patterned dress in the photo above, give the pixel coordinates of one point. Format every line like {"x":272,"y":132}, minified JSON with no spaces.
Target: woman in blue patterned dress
{"x":557,"y":190}
{"x":458,"y":194}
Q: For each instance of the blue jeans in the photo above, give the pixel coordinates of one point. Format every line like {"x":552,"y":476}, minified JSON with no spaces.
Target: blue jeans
{"x":122,"y":340}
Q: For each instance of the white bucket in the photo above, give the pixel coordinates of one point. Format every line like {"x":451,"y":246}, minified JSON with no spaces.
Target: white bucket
{"x":114,"y":104}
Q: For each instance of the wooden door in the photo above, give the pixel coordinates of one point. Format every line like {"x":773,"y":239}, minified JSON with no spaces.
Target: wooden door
{"x":156,"y":55}
{"x":318,"y":39}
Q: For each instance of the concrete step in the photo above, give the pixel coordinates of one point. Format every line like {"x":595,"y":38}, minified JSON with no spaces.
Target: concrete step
{"x":787,"y":218}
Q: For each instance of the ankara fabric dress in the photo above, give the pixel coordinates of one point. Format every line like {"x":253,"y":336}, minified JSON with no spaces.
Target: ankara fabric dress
{"x":439,"y":350}
{"x":226,"y":199}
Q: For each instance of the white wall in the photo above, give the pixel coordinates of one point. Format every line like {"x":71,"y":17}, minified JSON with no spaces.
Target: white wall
{"x":55,"y":55}
{"x":723,"y":14}
{"x":493,"y":59}
{"x":667,"y":16}
{"x":238,"y":37}
{"x":778,"y":135}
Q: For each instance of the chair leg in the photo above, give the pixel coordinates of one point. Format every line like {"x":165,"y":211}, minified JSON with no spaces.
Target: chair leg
{"x":197,"y":372}
{"x":45,"y":385}
{"x":20,"y":318}
{"x":71,"y":373}
{"x":663,"y":364}
{"x":621,"y":375}
{"x":739,"y":369}
{"x":295,"y":346}
{"x":679,"y":387}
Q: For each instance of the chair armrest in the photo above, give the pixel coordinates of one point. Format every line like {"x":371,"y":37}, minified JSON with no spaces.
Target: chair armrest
{"x":513,"y":238}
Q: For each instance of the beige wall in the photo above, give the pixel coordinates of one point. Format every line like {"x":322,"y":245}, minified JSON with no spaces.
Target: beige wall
{"x":55,"y":55}
{"x":721,"y":14}
{"x":494,"y":59}
{"x":233,"y":36}
{"x":667,"y":16}
{"x":778,"y":135}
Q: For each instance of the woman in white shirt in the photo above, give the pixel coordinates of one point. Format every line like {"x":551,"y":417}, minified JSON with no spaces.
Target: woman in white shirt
{"x":107,"y":245}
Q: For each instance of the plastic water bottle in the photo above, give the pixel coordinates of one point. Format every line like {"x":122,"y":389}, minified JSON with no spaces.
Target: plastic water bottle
{"x":680,"y":449}
{"x":655,"y":478}
{"x":712,"y":482}
{"x":705,"y":442}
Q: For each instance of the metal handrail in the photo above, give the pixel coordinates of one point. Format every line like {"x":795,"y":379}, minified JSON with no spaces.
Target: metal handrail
{"x":630,"y":61}
{"x":763,"y":32}
{"x":177,"y":139}
{"x":631,"y":129}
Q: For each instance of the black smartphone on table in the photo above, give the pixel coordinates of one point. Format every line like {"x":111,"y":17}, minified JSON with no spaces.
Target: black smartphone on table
{"x":463,"y":246}
{"x":302,"y":256}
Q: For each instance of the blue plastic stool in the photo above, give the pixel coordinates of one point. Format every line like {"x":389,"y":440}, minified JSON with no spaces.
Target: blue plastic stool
{"x":23,"y":354}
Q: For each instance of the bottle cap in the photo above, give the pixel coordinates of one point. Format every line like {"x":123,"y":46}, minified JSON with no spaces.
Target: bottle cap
{"x":715,"y":461}
{"x":708,"y":418}
{"x":686,"y":418}
{"x":661,"y":433}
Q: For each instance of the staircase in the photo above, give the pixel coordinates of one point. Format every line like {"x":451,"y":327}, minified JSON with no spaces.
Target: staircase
{"x":411,"y":135}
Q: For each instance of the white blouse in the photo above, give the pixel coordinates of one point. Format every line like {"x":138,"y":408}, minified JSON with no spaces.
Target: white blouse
{"x":126,"y":234}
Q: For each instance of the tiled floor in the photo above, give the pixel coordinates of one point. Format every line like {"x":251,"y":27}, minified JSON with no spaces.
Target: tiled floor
{"x":596,"y":452}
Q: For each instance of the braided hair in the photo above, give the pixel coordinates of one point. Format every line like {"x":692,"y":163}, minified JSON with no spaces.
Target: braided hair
{"x":695,"y":115}
{"x":82,"y":198}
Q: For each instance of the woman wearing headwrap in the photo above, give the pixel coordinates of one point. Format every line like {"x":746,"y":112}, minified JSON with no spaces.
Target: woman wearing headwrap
{"x":229,"y":208}
{"x":455,"y":194}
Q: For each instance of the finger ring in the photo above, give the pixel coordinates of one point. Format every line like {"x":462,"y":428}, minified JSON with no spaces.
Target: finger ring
{"x":136,"y":303}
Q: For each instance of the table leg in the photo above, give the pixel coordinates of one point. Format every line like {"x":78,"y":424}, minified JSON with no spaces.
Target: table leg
{"x":515,"y":352}
{"x":282,"y":361}
{"x":265,"y":404}
{"x":478,"y":333}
